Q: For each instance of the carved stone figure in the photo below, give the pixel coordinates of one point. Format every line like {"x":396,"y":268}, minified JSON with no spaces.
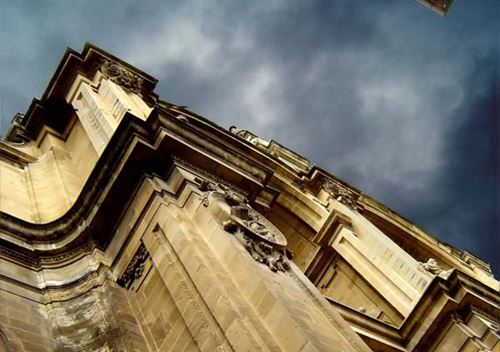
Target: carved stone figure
{"x":256,"y":226}
{"x":250,"y":137}
{"x":434,"y":268}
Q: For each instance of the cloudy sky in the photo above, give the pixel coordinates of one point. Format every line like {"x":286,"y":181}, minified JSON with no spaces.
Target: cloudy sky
{"x":396,"y":100}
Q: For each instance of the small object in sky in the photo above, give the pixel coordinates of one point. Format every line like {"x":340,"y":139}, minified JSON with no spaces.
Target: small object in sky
{"x":439,"y":6}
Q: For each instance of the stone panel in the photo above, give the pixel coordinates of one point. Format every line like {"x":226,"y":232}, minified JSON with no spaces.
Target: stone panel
{"x":25,"y":324}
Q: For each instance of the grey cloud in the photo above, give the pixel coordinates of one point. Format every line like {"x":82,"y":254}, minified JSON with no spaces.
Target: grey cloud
{"x":377,"y":92}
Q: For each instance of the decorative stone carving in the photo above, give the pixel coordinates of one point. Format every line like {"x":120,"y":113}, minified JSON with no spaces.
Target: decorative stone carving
{"x":274,"y":257}
{"x":237,"y":131}
{"x":135,"y":268}
{"x":258,"y":142}
{"x":434,"y":268}
{"x":84,"y":249}
{"x":265,"y":243}
{"x":18,"y":257}
{"x":341,"y":193}
{"x":258,"y":227}
{"x":222,"y":191}
{"x":122,"y":76}
{"x":203,"y":182}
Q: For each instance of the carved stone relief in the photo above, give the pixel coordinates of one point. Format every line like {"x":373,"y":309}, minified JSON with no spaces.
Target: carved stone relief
{"x":434,"y":268}
{"x":341,"y":193}
{"x":265,"y":243}
{"x":135,"y":268}
{"x":222,"y":192}
{"x":122,"y":76}
{"x":274,"y":257}
{"x":84,"y":249}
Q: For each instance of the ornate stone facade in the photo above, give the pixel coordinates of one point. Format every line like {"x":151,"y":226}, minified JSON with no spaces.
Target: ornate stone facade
{"x":122,"y":76}
{"x":131,"y":224}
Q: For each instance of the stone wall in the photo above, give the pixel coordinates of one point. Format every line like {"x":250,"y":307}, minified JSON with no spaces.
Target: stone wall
{"x":198,"y":287}
{"x":99,"y":319}
{"x":159,"y":317}
{"x":25,"y":324}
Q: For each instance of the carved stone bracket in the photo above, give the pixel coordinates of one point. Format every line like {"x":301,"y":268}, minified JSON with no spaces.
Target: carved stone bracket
{"x":341,"y":193}
{"x":135,"y":268}
{"x":122,"y":76}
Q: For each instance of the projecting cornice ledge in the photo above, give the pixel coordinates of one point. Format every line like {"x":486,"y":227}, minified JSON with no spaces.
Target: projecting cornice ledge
{"x":137,"y":148}
{"x":459,"y":293}
{"x":52,"y":109}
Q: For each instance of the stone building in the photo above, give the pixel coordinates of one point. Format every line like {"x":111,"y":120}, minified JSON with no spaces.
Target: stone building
{"x":132,"y":224}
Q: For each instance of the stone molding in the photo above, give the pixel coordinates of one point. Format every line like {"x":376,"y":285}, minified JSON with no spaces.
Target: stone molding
{"x":431,"y":266}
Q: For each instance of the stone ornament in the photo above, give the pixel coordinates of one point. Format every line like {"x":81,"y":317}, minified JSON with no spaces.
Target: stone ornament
{"x":340,"y":193}
{"x":434,"y":268}
{"x":265,"y":243}
{"x":237,"y":131}
{"x":275,"y":259}
{"x":222,"y":192}
{"x":135,"y":268}
{"x":122,"y":76}
{"x":258,"y":227}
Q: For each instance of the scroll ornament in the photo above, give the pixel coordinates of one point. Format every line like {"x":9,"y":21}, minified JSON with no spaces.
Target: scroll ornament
{"x":122,"y":76}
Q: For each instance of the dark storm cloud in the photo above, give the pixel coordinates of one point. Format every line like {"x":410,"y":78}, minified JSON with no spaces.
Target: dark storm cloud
{"x":385,"y":94}
{"x":472,"y":171}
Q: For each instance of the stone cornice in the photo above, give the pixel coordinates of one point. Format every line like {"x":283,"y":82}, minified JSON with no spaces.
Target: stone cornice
{"x":11,"y":154}
{"x":53,"y":110}
{"x":454,"y":257}
{"x":137,"y":148}
{"x":456,"y":293}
